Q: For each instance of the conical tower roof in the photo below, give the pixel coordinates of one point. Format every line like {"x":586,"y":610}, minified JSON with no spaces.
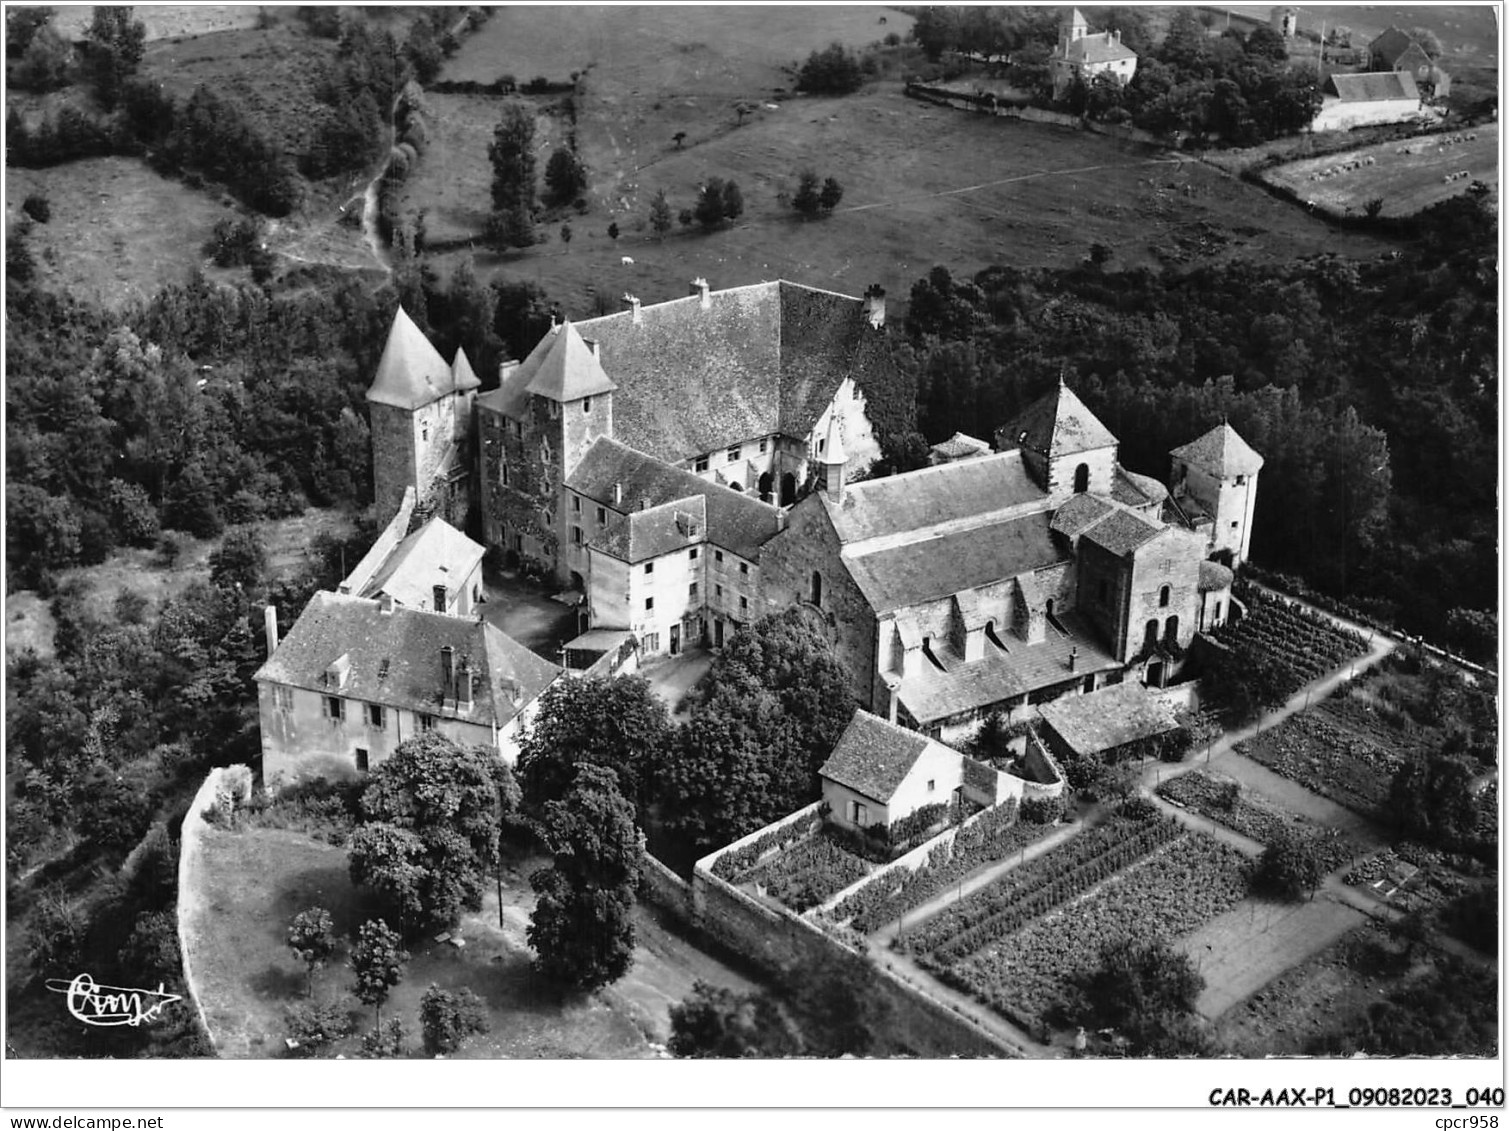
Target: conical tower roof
{"x":1058,"y":424}
{"x":568,"y":370}
{"x":463,"y":379}
{"x":833,"y":450}
{"x":411,"y":373}
{"x":1222,"y":452}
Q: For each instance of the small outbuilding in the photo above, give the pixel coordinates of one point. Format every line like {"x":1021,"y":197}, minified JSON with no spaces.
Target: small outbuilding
{"x":1104,"y":724}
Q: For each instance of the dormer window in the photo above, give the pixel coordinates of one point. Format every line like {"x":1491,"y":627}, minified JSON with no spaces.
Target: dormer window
{"x":1241,"y":480}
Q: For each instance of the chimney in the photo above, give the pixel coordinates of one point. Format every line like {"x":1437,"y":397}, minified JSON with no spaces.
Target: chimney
{"x":270,"y":625}
{"x":464,"y":686}
{"x":1117,"y":35}
{"x":1073,"y":655}
{"x":634,"y":307}
{"x":618,"y":494}
{"x":893,"y":696}
{"x":448,"y":673}
{"x":874,"y":305}
{"x":555,"y":318}
{"x":506,"y":369}
{"x":385,"y":604}
{"x":701,"y":290}
{"x":644,"y":503}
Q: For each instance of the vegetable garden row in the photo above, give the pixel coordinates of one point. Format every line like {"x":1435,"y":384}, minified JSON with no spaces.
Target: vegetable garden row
{"x":809,"y":871}
{"x":1187,"y":882}
{"x":1331,"y":760}
{"x":1034,"y":889}
{"x":1305,"y":644}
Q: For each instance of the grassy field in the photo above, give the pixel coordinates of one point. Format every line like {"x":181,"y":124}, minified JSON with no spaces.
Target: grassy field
{"x":165,"y":21}
{"x":257,"y":880}
{"x":118,"y":230}
{"x":1407,"y":175}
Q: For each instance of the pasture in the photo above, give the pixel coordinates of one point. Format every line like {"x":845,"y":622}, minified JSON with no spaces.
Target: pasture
{"x":165,"y":21}
{"x":118,"y":231}
{"x":1407,"y":175}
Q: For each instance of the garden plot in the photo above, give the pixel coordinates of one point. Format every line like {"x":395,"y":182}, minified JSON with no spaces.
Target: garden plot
{"x":1331,"y":760}
{"x":1301,"y":644}
{"x":1405,"y":175}
{"x":1186,"y":883}
{"x":1221,"y":799}
{"x":807,"y":872}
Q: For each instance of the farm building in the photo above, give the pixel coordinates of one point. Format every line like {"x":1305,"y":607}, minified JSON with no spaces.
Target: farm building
{"x":1106,"y":723}
{"x":1367,"y":100}
{"x":1084,"y":54}
{"x":430,"y":566}
{"x":1396,"y":51}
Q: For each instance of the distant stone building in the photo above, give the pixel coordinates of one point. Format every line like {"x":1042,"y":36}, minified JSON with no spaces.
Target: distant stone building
{"x":1398,"y":51}
{"x":433,"y":567}
{"x":1005,"y":581}
{"x":1085,"y":54}
{"x":1285,"y":21}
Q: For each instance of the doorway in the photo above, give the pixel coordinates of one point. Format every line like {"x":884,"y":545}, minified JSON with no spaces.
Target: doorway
{"x":675,"y":640}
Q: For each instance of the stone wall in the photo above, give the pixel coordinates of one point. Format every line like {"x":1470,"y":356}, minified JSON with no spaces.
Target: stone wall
{"x":666,"y":890}
{"x":190,"y":866}
{"x":778,"y":941}
{"x":393,"y":462}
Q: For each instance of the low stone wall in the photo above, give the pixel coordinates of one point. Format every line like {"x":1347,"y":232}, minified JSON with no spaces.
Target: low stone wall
{"x":666,"y":890}
{"x":983,"y":104}
{"x":190,"y":863}
{"x":779,"y":941}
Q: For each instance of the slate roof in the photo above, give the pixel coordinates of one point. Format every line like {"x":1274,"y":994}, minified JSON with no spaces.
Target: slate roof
{"x":761,"y":360}
{"x":1057,"y":424}
{"x":1414,"y":59}
{"x":932,"y":568}
{"x":735,"y":521}
{"x":1380,"y":87}
{"x":960,"y":446}
{"x":873,"y":757}
{"x":1136,"y":490}
{"x":1079,"y":514}
{"x":567,"y":370}
{"x":931,"y":496}
{"x":932,"y":695}
{"x":435,"y":554}
{"x":641,"y":535}
{"x":462,"y":376}
{"x":1213,"y":575}
{"x":411,"y":372}
{"x":1111,"y":717}
{"x":395,"y":658}
{"x":1222,"y":452}
{"x":1097,"y":47}
{"x":1123,"y":532}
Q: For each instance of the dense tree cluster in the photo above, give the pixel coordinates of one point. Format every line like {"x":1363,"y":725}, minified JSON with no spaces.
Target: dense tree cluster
{"x":512,"y":153}
{"x":719,"y":203}
{"x":833,"y":70}
{"x":761,"y":725}
{"x":1370,"y":389}
{"x":565,"y":177}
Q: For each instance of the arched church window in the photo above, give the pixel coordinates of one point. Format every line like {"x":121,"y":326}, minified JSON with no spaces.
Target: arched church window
{"x":817,"y":589}
{"x":1150,"y":635}
{"x":1171,"y":631}
{"x":1163,"y":596}
{"x":1081,"y":479}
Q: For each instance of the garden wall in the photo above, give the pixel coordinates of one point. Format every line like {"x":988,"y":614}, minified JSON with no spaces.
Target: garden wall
{"x":190,"y":853}
{"x":778,"y":941}
{"x":666,"y":890}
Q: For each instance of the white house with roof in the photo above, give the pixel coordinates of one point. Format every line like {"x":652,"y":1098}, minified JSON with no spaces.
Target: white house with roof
{"x":1004,"y":581}
{"x":1084,"y":54}
{"x":434,"y":567}
{"x":355,"y":677}
{"x":1350,"y":101}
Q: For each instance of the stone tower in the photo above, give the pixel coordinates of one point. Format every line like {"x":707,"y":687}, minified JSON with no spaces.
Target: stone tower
{"x":421,"y":419}
{"x":1064,"y":446}
{"x":1218,"y":473}
{"x":1074,"y":26}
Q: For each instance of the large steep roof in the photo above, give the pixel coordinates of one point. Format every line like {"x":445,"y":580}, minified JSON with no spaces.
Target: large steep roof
{"x":1222,"y":452}
{"x":411,"y":372}
{"x":1058,"y":424}
{"x":435,"y":554}
{"x":567,"y":370}
{"x":394,"y":658}
{"x":873,"y":757}
{"x":1379,"y":87}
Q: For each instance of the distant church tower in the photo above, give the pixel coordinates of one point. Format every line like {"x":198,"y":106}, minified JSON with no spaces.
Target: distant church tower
{"x":1074,"y":26}
{"x":421,"y":419}
{"x":1219,"y":472}
{"x":1065,"y":448}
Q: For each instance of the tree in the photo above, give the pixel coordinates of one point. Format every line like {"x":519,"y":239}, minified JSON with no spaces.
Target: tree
{"x":1263,"y":42}
{"x":314,"y":1026}
{"x":22,"y":23}
{"x":448,"y":1019}
{"x":660,"y":214}
{"x":833,"y":70}
{"x":430,"y":821}
{"x":46,"y":64}
{"x":618,"y":723}
{"x":378,"y":960}
{"x":422,"y":51}
{"x":116,"y":43}
{"x":1289,"y":866}
{"x":613,"y":232}
{"x":513,"y":185}
{"x":679,"y":137}
{"x":832,"y":193}
{"x":565,"y":178}
{"x":713,"y":1021}
{"x":1147,"y":991}
{"x":240,"y":562}
{"x":582,"y":929}
{"x":806,"y":200}
{"x":384,"y":1042}
{"x":718,"y":203}
{"x":1432,"y":801}
{"x":311,"y":936}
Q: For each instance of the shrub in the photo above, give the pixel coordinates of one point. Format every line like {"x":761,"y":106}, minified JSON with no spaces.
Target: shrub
{"x":449,"y":1018}
{"x":37,"y":207}
{"x":384,"y":1042}
{"x":834,"y":70}
{"x":1043,"y":810}
{"x":315,"y":1026}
